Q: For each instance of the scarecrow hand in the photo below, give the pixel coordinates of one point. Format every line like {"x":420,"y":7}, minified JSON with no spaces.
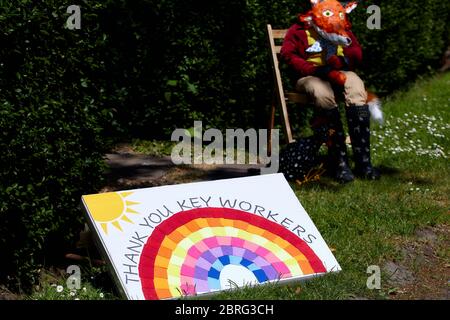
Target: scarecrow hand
{"x":337,"y":78}
{"x":309,"y":69}
{"x":335,"y":62}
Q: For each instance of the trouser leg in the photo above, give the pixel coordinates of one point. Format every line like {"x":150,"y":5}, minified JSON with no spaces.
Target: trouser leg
{"x":327,"y":124}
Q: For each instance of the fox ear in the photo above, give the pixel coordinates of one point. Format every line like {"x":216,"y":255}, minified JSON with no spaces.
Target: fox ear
{"x":314,"y":2}
{"x":350,"y":6}
{"x":305,"y":18}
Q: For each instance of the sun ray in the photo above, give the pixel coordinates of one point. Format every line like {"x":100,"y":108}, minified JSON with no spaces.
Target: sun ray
{"x":104,"y":227}
{"x":129,"y":210}
{"x":126,"y":194}
{"x":125,"y":218}
{"x":117,"y":225}
{"x":131,"y":203}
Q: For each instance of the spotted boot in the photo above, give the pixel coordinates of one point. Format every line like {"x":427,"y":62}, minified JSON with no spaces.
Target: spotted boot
{"x":328,"y":126}
{"x":358,"y":119}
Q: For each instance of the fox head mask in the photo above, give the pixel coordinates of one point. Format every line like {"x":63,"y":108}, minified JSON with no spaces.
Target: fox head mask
{"x":329,"y":19}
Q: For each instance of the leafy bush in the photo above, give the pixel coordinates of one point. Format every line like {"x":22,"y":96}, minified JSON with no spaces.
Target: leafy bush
{"x":171,"y":62}
{"x":411,"y":42}
{"x":51,"y":114}
{"x":178,"y":61}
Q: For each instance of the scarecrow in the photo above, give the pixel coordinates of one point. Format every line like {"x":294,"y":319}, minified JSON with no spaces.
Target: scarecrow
{"x":323,"y":53}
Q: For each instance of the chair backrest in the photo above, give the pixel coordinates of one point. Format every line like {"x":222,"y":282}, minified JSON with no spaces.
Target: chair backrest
{"x":277,"y":35}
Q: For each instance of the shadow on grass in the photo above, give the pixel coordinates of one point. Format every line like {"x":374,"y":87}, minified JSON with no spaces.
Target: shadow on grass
{"x":405,"y":176}
{"x":389,"y":171}
{"x":126,"y":171}
{"x":325,"y":183}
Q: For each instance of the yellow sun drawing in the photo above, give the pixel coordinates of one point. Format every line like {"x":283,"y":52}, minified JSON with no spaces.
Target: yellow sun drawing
{"x":110,"y":207}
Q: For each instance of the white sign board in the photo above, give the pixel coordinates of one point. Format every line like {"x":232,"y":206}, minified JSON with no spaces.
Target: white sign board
{"x":199,"y":238}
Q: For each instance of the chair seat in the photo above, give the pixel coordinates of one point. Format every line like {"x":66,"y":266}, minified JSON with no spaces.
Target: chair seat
{"x":296,"y":97}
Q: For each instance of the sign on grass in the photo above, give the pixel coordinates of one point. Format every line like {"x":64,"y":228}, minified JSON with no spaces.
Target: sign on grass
{"x":199,"y":238}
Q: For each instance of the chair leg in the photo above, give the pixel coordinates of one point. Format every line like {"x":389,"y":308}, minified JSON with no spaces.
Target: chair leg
{"x":271,"y":125}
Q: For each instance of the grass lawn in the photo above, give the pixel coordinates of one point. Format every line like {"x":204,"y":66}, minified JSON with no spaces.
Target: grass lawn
{"x":377,"y":222}
{"x":367,"y":222}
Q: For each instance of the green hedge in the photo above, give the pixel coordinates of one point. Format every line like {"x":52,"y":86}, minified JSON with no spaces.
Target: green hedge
{"x":179,"y":61}
{"x":411,"y":42}
{"x":51,"y":118}
{"x":174,"y":62}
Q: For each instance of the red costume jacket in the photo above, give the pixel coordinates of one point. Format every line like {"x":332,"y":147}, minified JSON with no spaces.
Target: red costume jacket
{"x":293,"y":52}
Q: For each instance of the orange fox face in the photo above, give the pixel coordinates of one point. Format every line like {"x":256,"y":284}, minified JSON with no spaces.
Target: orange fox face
{"x":329,"y":19}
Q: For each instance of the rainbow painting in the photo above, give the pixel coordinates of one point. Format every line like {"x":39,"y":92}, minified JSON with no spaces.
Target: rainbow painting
{"x":211,"y":244}
{"x":187,"y":252}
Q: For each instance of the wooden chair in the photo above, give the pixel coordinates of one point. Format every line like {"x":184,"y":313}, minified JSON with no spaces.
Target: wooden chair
{"x":281,"y":97}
